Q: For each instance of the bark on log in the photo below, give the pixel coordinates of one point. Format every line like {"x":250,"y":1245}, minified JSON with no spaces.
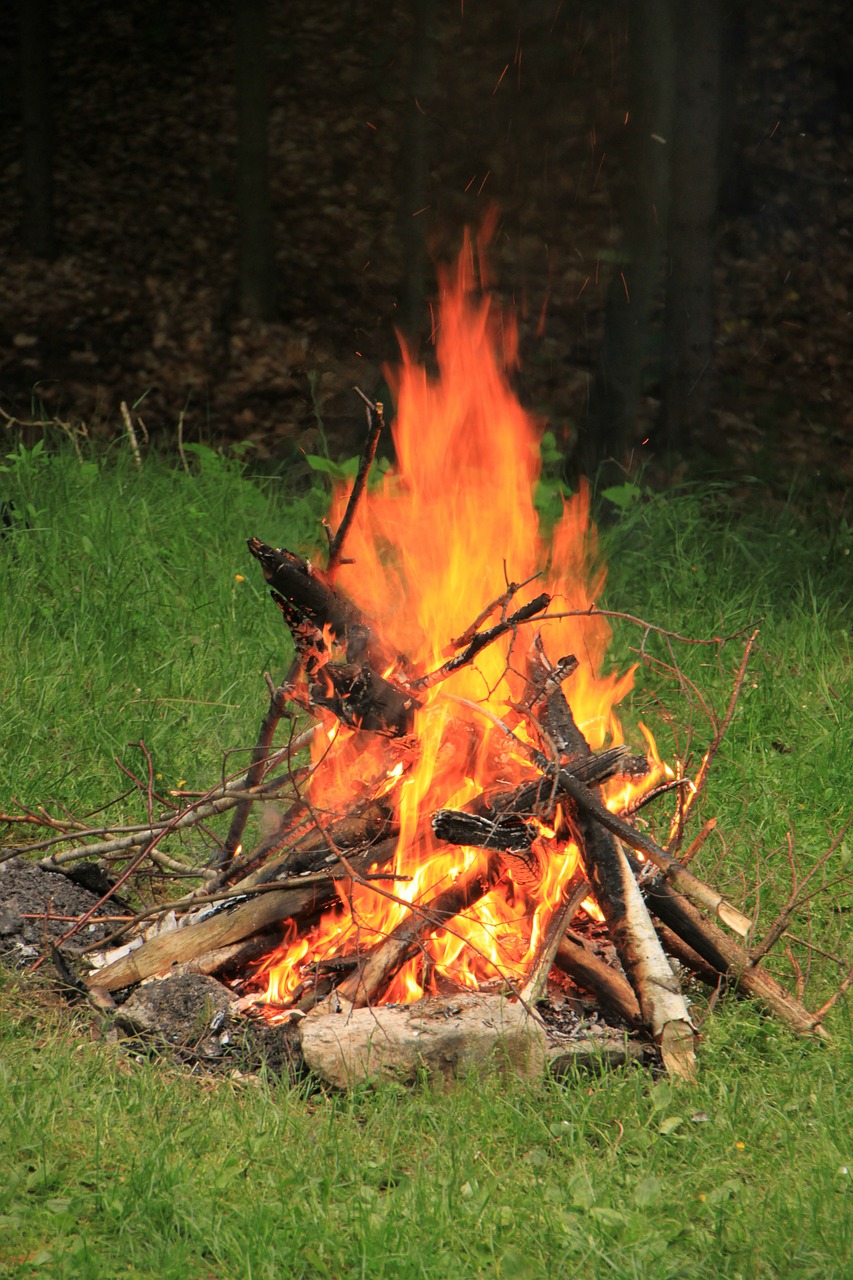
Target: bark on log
{"x":690,"y":885}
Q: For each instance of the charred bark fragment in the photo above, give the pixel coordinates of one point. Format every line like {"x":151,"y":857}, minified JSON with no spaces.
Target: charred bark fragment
{"x":363,"y":700}
{"x":308,"y":598}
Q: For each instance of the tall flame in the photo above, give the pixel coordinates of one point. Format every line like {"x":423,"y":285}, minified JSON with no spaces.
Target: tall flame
{"x":451,"y":526}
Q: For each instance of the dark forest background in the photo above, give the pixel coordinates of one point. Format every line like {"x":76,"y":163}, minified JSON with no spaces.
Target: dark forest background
{"x":223,"y":212}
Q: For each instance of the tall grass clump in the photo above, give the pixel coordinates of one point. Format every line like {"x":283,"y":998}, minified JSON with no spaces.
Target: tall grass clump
{"x":132,"y":610}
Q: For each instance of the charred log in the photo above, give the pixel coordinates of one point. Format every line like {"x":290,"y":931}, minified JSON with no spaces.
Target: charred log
{"x":310,"y":598}
{"x":589,"y":972}
{"x":406,"y":939}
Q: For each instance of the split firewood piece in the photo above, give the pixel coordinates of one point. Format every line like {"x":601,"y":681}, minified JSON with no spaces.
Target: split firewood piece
{"x":311,"y":598}
{"x":589,"y":972}
{"x":404,"y":941}
{"x":727,"y":956}
{"x":231,"y":924}
{"x":554,"y":926}
{"x":662,"y":1005}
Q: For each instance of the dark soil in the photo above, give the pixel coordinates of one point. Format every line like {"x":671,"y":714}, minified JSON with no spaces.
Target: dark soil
{"x":38,"y":907}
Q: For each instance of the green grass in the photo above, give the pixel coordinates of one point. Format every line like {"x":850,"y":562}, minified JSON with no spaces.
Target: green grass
{"x":122,"y":618}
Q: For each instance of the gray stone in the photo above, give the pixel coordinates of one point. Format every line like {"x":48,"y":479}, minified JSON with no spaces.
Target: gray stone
{"x":444,"y":1036}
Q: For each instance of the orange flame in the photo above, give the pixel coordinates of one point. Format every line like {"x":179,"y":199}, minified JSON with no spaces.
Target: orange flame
{"x":451,"y":526}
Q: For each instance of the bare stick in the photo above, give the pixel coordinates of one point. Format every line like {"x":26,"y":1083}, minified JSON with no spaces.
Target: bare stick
{"x":131,"y":434}
{"x":375,"y":423}
{"x":479,"y":641}
{"x":558,"y":921}
{"x":686,"y":802}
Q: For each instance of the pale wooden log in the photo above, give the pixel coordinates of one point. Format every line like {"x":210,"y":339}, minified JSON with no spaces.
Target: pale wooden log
{"x":232,"y":925}
{"x":662,"y":1005}
{"x":726,"y":955}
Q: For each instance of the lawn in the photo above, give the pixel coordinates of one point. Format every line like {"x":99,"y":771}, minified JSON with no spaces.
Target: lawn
{"x":131,"y":611}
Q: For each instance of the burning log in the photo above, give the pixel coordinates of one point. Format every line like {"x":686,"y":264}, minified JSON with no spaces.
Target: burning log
{"x":361,"y":987}
{"x":361,"y":698}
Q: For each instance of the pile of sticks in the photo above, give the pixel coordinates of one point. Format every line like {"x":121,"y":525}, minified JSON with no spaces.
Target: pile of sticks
{"x":654,"y":907}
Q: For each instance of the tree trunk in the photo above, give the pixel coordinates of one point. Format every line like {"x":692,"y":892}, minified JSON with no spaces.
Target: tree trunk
{"x":38,"y":229}
{"x":689,"y":335}
{"x":256,"y":255}
{"x":605,"y":438}
{"x":414,"y":165}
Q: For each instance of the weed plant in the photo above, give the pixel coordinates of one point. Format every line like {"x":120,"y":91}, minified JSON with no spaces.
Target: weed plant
{"x":131,"y":610}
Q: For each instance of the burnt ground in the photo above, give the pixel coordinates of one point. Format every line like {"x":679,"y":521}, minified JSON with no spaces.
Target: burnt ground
{"x":527,"y":115}
{"x":190,"y":1019}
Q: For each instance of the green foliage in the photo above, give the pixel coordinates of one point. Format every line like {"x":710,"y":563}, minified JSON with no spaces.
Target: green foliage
{"x":551,"y":489}
{"x":344,"y":472}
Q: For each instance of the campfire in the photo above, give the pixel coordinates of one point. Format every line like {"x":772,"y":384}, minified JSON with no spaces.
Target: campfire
{"x":470,"y":808}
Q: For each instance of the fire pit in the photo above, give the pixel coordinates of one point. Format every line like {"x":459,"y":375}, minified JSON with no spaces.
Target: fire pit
{"x":469,"y":793}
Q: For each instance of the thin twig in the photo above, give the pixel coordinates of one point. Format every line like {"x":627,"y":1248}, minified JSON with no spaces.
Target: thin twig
{"x":688,"y":801}
{"x":375,"y":423}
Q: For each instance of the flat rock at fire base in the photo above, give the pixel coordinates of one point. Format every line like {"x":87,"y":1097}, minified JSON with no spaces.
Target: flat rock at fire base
{"x":444,"y":1036}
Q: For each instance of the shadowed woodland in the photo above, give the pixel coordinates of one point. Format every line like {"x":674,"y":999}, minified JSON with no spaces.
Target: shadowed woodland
{"x":224,"y":214}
